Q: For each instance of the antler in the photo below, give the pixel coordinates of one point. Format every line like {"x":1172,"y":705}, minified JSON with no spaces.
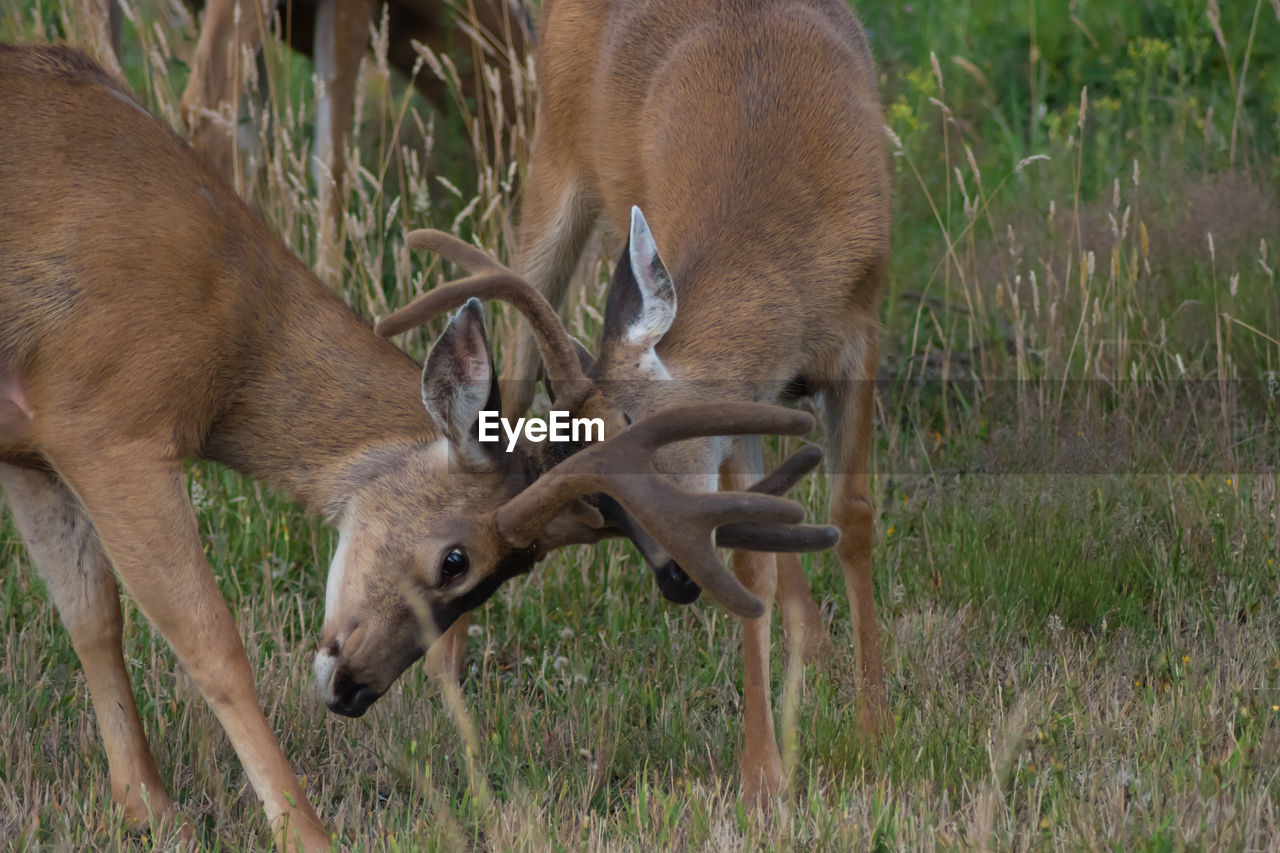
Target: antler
{"x":773,"y":537}
{"x":781,"y":537}
{"x":491,"y":280}
{"x":681,"y":522}
{"x":749,"y":536}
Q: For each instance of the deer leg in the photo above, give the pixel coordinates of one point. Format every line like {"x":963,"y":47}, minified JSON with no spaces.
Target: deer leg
{"x":342,"y":36}
{"x":762,"y":776}
{"x":556,"y":219}
{"x":146,"y":524}
{"x":115,"y":24}
{"x":848,"y":413}
{"x":68,"y":557}
{"x":210,"y":103}
{"x":801,"y":617}
{"x":101,"y":19}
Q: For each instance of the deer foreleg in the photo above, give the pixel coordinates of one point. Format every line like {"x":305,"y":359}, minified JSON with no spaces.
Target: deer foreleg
{"x":148,"y":529}
{"x":66,"y":552}
{"x":849,"y":411}
{"x":762,"y":776}
{"x":342,"y":37}
{"x":231,"y":30}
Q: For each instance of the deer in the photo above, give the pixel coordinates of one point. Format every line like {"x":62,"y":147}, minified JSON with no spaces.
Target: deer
{"x":102,"y":22}
{"x":750,"y":135}
{"x":336,"y":35}
{"x":149,"y":316}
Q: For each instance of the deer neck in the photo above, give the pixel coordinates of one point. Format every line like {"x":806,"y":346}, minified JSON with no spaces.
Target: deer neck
{"x":312,"y":391}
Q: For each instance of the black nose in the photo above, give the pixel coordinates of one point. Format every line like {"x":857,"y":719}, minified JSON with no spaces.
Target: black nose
{"x":350,"y":699}
{"x":674,"y":584}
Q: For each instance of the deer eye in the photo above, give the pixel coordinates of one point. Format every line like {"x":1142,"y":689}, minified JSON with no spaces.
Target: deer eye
{"x":455,"y":563}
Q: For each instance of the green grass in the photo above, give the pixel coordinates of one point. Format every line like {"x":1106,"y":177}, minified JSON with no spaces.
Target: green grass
{"x":1078,"y":545}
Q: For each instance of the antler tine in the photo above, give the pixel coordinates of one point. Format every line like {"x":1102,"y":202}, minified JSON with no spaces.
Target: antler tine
{"x":781,"y":479}
{"x":781,"y":537}
{"x":707,"y":419}
{"x":446,"y":297}
{"x":681,"y":522}
{"x":452,"y":249}
{"x":491,"y":280}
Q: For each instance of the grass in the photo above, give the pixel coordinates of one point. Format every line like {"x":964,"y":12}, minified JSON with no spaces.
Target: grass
{"x":1078,"y":547}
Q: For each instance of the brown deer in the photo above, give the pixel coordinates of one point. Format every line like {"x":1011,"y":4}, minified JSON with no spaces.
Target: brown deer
{"x":96,"y":28}
{"x":147,"y":315}
{"x":336,"y":34}
{"x":750,"y":133}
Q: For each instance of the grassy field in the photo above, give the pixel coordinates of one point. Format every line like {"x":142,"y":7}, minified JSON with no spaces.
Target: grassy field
{"x":1077,"y":454}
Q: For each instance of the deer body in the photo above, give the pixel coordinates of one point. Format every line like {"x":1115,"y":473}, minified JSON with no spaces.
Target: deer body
{"x":146,"y":316}
{"x":750,"y":138}
{"x":187,"y":320}
{"x":749,"y":132}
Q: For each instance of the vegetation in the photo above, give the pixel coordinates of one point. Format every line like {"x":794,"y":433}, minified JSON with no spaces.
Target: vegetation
{"x":1078,"y":547}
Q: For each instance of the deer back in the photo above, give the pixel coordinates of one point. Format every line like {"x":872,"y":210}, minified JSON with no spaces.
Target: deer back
{"x":750,"y":134}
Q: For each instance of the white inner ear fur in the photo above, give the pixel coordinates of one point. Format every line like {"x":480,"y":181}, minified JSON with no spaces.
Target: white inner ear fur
{"x":464,"y":399}
{"x":657,"y":293}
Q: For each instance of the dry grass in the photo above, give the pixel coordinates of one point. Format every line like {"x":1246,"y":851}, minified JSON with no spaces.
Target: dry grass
{"x":1078,"y":550}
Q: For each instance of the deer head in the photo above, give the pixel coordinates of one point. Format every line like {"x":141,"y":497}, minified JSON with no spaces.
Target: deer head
{"x":625,"y":380}
{"x":393,"y":587}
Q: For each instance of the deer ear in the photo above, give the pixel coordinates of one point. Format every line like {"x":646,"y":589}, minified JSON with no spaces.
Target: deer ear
{"x":642,"y":299}
{"x":458,"y":381}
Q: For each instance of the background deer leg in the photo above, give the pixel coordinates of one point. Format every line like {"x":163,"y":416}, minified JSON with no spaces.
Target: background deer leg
{"x":556,"y":219}
{"x":146,"y":524}
{"x":801,"y":616}
{"x":342,"y":37}
{"x":68,"y":557}
{"x":102,"y":20}
{"x":211,"y":101}
{"x":849,"y":405}
{"x":761,"y":761}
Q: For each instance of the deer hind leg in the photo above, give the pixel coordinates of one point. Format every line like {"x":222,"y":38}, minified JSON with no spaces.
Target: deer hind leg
{"x":101,"y":20}
{"x":148,"y":529}
{"x":762,"y":776}
{"x":68,"y":557}
{"x":210,"y":103}
{"x":801,"y":616}
{"x":555,"y":221}
{"x":849,"y":403}
{"x":342,"y":36}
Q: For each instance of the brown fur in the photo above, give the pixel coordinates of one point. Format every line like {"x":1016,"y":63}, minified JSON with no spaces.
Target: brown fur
{"x":146,"y":315}
{"x":750,"y":134}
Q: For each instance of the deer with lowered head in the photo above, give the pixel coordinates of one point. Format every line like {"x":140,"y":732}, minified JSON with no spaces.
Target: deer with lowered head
{"x":147,"y":316}
{"x":750,"y":134}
